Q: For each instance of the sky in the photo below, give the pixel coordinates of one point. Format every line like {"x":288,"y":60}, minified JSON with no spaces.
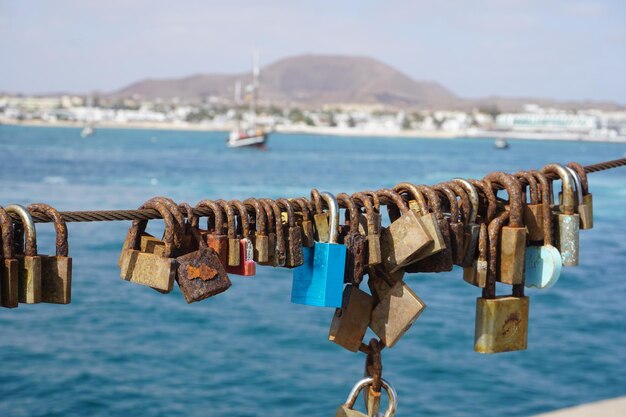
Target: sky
{"x":560,"y":49}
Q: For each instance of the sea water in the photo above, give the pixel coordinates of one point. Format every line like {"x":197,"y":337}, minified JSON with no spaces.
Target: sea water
{"x":125,"y":350}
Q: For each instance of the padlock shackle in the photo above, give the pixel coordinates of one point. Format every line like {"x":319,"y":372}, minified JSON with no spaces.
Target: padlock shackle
{"x":405,"y":187}
{"x":531,"y":183}
{"x":366,"y":382}
{"x":218,"y":216}
{"x":577,"y":184}
{"x":473,"y":197}
{"x":513,"y":188}
{"x":192,"y":224}
{"x":370,"y":214}
{"x":231,"y":226}
{"x":490,"y":196}
{"x":243,"y":216}
{"x":61,"y":244}
{"x":567,"y":186}
{"x":545,"y":190}
{"x":30,"y":246}
{"x":178,"y":220}
{"x":333,"y":216}
{"x":316,"y":198}
{"x":432,"y":200}
{"x":352,"y":212}
{"x":582,"y":174}
{"x":6,"y":226}
{"x":452,"y":202}
{"x":260,"y":216}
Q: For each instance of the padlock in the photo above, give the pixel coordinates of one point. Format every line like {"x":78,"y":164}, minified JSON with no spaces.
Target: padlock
{"x":567,"y":222}
{"x":351,"y":321}
{"x":234,"y":244}
{"x":488,"y":204}
{"x":369,"y":224}
{"x":320,"y":217}
{"x":455,"y":223}
{"x":200,"y":273}
{"x":293,"y":235}
{"x":151,"y":269}
{"x":397,"y":307}
{"x":319,"y":281}
{"x":417,"y":203}
{"x":472,"y":227}
{"x":581,"y":208}
{"x":189,"y":243}
{"x":477,"y":273}
{"x":346,"y":409}
{"x":585,"y":209}
{"x":246,"y":266}
{"x":501,"y":321}
{"x":533,"y":210}
{"x":441,"y":261}
{"x":402,"y":242}
{"x":465,"y":210}
{"x":214,"y":234}
{"x":56,"y":271}
{"x":513,"y":241}
{"x":29,"y":263}
{"x":543,"y":263}
{"x":306,"y":222}
{"x":278,"y":235}
{"x":260,"y":239}
{"x":9,"y":271}
{"x":354,"y":242}
{"x":271,"y":234}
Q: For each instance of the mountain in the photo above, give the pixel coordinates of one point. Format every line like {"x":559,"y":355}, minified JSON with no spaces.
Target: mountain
{"x":307,"y":80}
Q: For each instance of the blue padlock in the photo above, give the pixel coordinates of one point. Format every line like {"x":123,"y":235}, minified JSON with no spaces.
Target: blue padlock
{"x":319,"y":281}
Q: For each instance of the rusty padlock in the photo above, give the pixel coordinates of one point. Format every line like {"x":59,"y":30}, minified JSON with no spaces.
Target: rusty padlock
{"x":488,"y":201}
{"x":402,"y":242}
{"x":306,"y":222}
{"x":56,"y":271}
{"x":280,"y":258}
{"x":271,"y":234}
{"x":513,"y":242}
{"x":234,"y":245}
{"x":260,"y":238}
{"x":472,"y":227}
{"x":320,"y":217}
{"x":29,"y":263}
{"x":351,"y":321}
{"x":246,"y":266}
{"x":501,"y":321}
{"x":354,"y":242}
{"x":214,"y":234}
{"x":369,"y":224}
{"x":582,"y":209}
{"x":293,"y":235}
{"x":9,"y":271}
{"x":457,"y":228}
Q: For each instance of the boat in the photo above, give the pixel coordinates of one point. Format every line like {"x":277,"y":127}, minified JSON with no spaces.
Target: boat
{"x":501,"y":143}
{"x":249,"y":134}
{"x":87,"y":131}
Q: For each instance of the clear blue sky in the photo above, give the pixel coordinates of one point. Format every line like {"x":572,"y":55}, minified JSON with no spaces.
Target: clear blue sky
{"x":564,"y":49}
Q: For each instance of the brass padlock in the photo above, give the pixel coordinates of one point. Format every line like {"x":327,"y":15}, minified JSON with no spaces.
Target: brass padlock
{"x":154,"y":270}
{"x":200,"y":273}
{"x":29,"y":263}
{"x":567,"y":222}
{"x":397,"y":307}
{"x":585,"y":209}
{"x":293,"y":236}
{"x":369,"y":225}
{"x":354,"y":242}
{"x":320,"y":217}
{"x":477,"y":273}
{"x":533,"y":210}
{"x":513,"y":241}
{"x":306,"y":222}
{"x":346,"y":409}
{"x":417,"y":203}
{"x":402,"y":242}
{"x":260,"y":239}
{"x":56,"y":271}
{"x":501,"y":322}
{"x":9,"y":268}
{"x":351,"y":321}
{"x":214,"y":235}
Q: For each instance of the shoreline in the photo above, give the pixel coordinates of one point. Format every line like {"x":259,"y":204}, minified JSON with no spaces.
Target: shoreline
{"x":335,"y":131}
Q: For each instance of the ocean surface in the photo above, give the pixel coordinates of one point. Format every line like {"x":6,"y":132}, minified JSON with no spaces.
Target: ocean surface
{"x":125,"y":350}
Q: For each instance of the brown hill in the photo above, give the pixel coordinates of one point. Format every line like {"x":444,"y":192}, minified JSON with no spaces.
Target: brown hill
{"x":307,"y":80}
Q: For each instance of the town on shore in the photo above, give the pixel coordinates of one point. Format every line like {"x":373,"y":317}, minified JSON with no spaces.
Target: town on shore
{"x":531,"y":122}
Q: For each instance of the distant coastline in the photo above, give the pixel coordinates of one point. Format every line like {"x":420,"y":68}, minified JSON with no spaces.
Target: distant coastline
{"x":334,"y":131}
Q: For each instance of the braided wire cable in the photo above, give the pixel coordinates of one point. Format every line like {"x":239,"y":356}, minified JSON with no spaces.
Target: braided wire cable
{"x":150,"y":214}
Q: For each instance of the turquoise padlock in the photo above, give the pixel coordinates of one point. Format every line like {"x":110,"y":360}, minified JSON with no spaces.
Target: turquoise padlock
{"x":319,"y":281}
{"x":543,"y":263}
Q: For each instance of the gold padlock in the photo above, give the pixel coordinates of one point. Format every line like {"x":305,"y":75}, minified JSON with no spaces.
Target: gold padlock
{"x":29,"y":262}
{"x":9,"y":272}
{"x":350,"y":322}
{"x":501,"y":322}
{"x":56,"y":271}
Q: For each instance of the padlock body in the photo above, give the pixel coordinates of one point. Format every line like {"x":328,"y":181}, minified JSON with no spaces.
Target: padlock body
{"x":432,"y":228}
{"x":29,"y":286}
{"x":457,"y":242}
{"x":470,"y":244}
{"x":319,"y":280}
{"x":201,"y":275}
{"x":512,"y":255}
{"x":56,"y":279}
{"x":247,"y":266}
{"x":219,"y":243}
{"x":261,"y":249}
{"x":543,"y":266}
{"x":501,"y":324}
{"x":588,"y":201}
{"x":374,"y":255}
{"x":397,"y":309}
{"x":567,"y":238}
{"x":402,"y":241}
{"x":148,"y":269}
{"x":294,"y":250}
{"x":586,"y":218}
{"x":350,"y":322}
{"x":322,"y":227}
{"x":345,"y":411}
{"x":439,"y":262}
{"x":9,"y":282}
{"x":355,"y":258}
{"x":533,"y":219}
{"x":308,"y":236}
{"x":234,"y":252}
{"x":477,"y":273}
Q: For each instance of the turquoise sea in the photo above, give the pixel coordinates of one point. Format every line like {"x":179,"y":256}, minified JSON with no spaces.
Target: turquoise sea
{"x":125,"y":350}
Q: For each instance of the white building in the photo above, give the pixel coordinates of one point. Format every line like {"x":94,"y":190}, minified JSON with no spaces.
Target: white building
{"x":547,"y":122}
